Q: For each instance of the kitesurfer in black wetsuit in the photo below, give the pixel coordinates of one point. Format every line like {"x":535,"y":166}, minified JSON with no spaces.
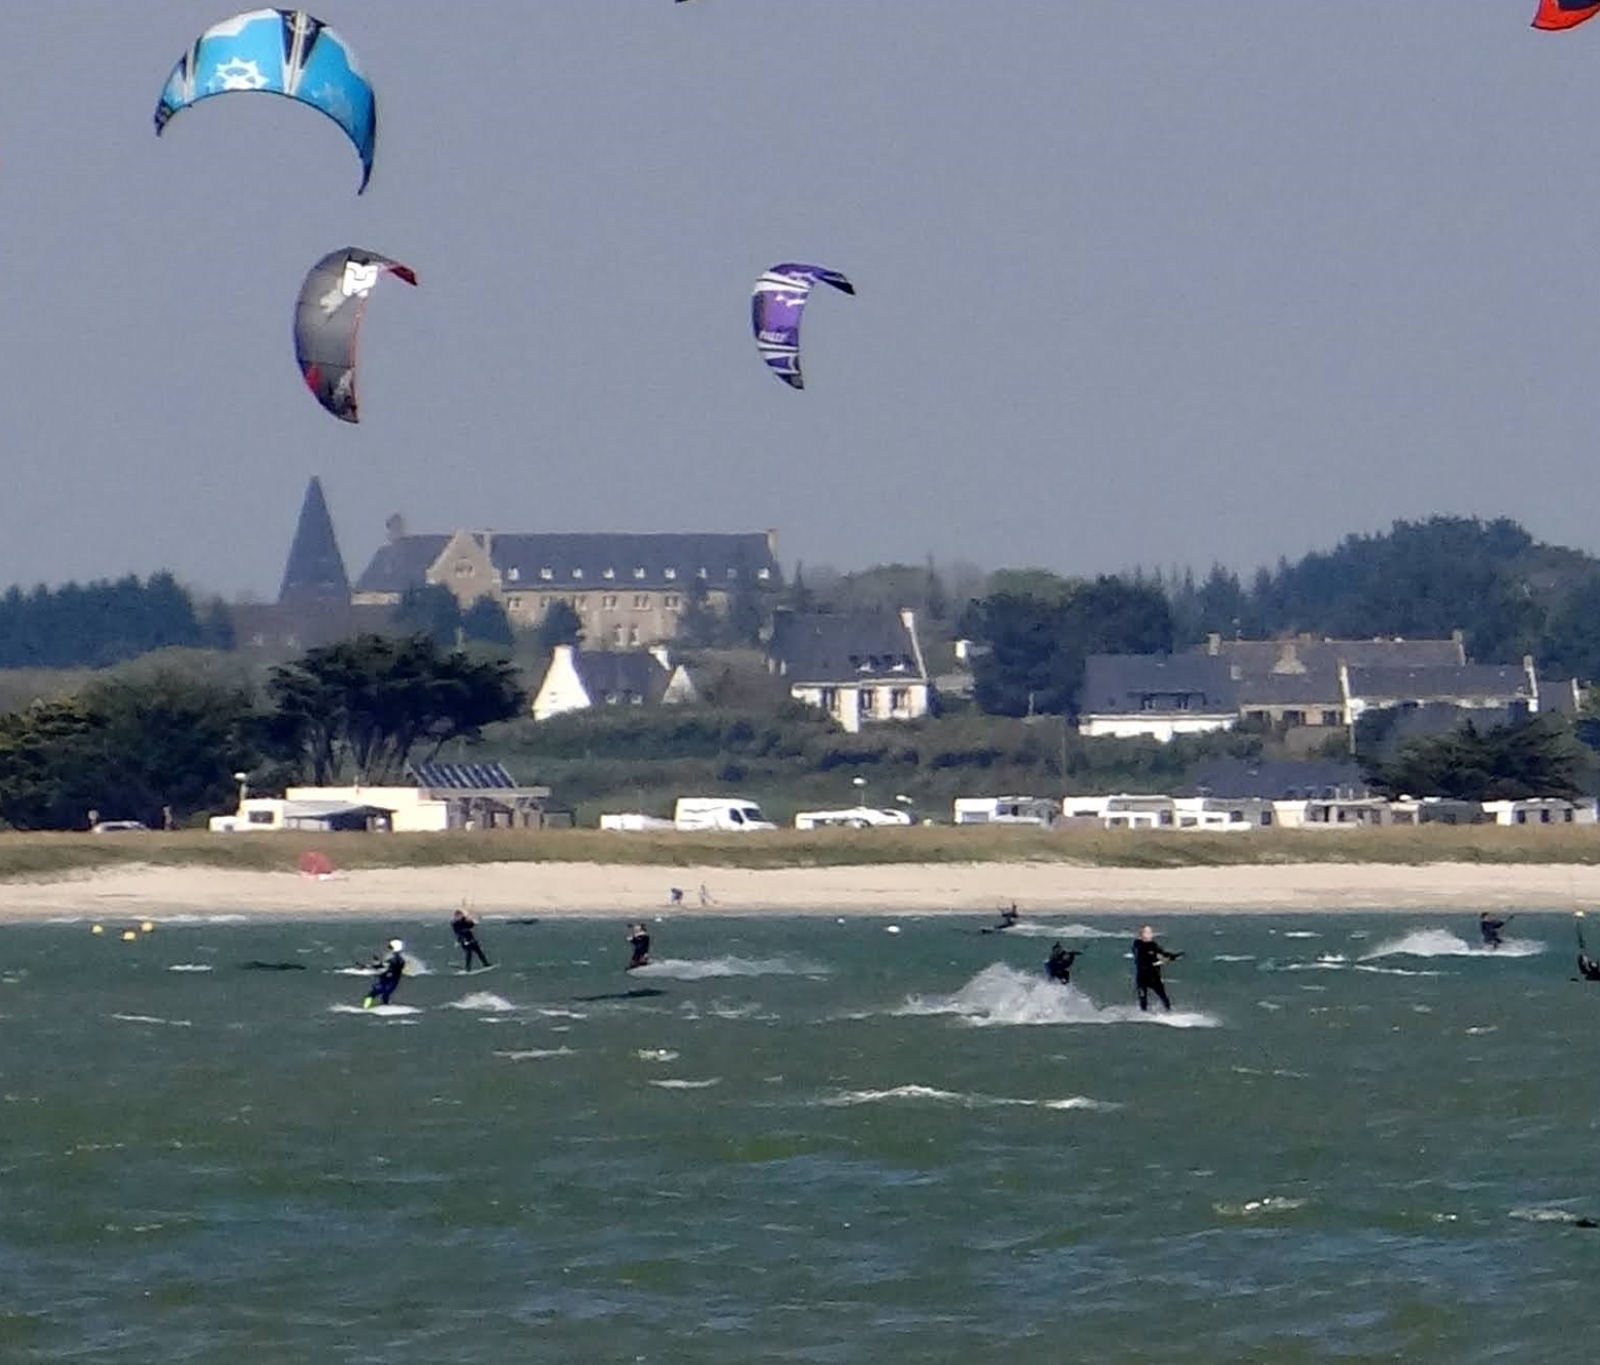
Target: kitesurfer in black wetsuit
{"x":1148,"y":955}
{"x":1490,"y":928}
{"x":639,"y":941}
{"x":390,"y":970}
{"x":464,"y":927}
{"x":1008,"y":918}
{"x":1058,"y":966}
{"x":1588,"y":968}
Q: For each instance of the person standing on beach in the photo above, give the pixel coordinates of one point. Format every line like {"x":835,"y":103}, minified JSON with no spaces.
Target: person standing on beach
{"x":639,"y":941}
{"x":1148,"y":957}
{"x":465,"y":928}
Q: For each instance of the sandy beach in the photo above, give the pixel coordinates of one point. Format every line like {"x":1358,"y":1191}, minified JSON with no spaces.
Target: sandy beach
{"x":548,"y":889}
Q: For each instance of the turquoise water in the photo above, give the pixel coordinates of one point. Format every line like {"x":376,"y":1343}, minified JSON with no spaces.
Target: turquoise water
{"x":1356,"y":1139}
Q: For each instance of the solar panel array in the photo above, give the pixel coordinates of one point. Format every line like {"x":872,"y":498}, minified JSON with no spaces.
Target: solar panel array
{"x":463,"y":776}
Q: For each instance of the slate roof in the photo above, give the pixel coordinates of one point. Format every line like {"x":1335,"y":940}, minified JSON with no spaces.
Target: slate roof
{"x":620,"y":674}
{"x":658,"y":561}
{"x":852,"y":647}
{"x":402,"y":563}
{"x":570,"y":560}
{"x":1319,"y":688}
{"x":314,"y":572}
{"x":1276,"y":779}
{"x":1120,"y":684}
{"x":1295,"y":652}
{"x":1441,"y":684}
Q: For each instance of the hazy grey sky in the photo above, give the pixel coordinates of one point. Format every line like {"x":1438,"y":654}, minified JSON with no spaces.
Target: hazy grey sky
{"x":1158,"y":283}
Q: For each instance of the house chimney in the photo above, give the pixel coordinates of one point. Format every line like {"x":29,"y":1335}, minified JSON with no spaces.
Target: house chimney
{"x":396,"y":527}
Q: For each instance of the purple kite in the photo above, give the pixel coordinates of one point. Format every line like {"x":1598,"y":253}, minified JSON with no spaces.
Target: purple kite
{"x":327,"y":321}
{"x":776,"y":306}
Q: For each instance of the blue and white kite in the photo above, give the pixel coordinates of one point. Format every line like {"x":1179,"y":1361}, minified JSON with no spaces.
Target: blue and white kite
{"x":280,"y":52}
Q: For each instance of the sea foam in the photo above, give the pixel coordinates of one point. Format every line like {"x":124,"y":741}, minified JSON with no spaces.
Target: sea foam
{"x":1002,"y":995}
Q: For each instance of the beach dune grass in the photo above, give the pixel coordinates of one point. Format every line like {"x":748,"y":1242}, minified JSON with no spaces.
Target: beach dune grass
{"x":35,"y":856}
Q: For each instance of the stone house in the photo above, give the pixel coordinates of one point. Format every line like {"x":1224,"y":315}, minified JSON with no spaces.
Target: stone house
{"x":859,"y":667}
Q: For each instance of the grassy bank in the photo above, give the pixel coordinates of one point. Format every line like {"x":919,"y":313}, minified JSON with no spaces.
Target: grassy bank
{"x":43,"y":856}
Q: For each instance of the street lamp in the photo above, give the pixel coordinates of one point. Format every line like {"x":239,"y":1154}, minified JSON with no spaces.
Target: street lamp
{"x":243,"y":779}
{"x":860,"y":784}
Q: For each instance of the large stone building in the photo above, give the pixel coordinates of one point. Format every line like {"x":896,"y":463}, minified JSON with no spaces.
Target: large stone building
{"x":628,"y":590}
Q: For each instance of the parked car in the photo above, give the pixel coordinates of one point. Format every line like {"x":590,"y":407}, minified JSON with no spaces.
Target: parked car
{"x":116,"y":826}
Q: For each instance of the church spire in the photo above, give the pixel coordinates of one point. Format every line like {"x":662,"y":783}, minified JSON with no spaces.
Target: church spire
{"x":315,"y":571}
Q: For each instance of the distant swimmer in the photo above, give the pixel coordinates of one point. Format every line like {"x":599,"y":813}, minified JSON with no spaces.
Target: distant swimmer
{"x":639,"y":941}
{"x":1148,"y":957}
{"x":390,"y":970}
{"x":1058,"y":966}
{"x":1489,"y":927}
{"x":465,"y":928}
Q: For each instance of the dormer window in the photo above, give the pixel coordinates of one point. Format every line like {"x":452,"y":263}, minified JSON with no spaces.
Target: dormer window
{"x":763,"y":574}
{"x":671,"y":573}
{"x":609,"y":573}
{"x":733,"y":573}
{"x":577,"y":573}
{"x":638,"y":573}
{"x":513,"y":575}
{"x":701,"y":573}
{"x":547,"y":574}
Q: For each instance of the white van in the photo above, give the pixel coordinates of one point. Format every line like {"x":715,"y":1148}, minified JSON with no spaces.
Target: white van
{"x":719,"y":812}
{"x":856,"y":817}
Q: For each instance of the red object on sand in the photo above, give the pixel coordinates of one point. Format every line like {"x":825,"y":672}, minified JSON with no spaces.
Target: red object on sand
{"x":315,"y":864}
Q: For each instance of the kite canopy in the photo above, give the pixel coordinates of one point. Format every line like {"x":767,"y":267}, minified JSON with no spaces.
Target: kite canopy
{"x":327,"y":320}
{"x":776,"y":307}
{"x":280,"y":52}
{"x":1556,"y":15}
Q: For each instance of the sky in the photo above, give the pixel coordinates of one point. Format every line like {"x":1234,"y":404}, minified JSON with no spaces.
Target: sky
{"x":1139,"y":284}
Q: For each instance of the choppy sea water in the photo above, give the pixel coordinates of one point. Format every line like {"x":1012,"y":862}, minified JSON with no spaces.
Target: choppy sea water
{"x":1355,"y":1139}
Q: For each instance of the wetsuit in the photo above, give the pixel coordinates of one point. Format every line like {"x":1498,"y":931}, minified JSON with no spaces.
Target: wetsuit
{"x":1008,"y":919}
{"x":1490,"y":929}
{"x":1148,"y":955}
{"x":462,"y":925}
{"x":1588,"y":968}
{"x":639,"y":941}
{"x":1058,"y":967}
{"x":388,"y":977}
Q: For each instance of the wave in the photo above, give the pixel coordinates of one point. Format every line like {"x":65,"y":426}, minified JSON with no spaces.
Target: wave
{"x":687,"y":1085}
{"x":190,"y":967}
{"x":655,"y":1054}
{"x":1544,"y":1214}
{"x":697,"y":969}
{"x":1002,"y":995}
{"x":1255,"y":1208}
{"x":1025,"y":928}
{"x":1442,"y":943}
{"x":482,"y":1000}
{"x":847,"y":1098}
{"x":535,"y":1053}
{"x":1395,"y":971}
{"x":151,"y":1019}
{"x":1234,"y":957}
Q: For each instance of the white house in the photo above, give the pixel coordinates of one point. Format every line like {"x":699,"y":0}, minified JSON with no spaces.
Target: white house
{"x":578,"y":679}
{"x":861,"y":667}
{"x":1156,"y":696}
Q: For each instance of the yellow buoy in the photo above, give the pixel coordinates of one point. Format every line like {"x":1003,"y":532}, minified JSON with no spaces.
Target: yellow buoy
{"x":97,"y":929}
{"x":147,"y":927}
{"x":128,"y":935}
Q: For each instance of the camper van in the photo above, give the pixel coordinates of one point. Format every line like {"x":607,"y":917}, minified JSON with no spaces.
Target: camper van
{"x":1007,"y":810}
{"x":856,"y":817}
{"x":719,"y":812}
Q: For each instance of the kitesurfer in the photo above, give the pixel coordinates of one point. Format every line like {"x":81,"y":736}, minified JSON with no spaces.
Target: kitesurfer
{"x":1009,"y":916}
{"x":1148,"y":956}
{"x":1058,"y":966}
{"x":1588,"y":968}
{"x":390,"y":970}
{"x":464,"y":927}
{"x":1489,"y":927}
{"x":639,"y":941}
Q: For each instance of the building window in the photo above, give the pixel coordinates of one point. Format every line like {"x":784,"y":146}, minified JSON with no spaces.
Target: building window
{"x":1330,"y":717}
{"x":641,"y":600}
{"x":828,"y":699}
{"x":577,"y":573}
{"x":609,"y":573}
{"x":617,"y":635}
{"x":609,"y":601}
{"x":864,"y":700}
{"x":513,"y":575}
{"x":670,"y":573}
{"x":633,"y":635}
{"x":671,"y":601}
{"x":258,"y":817}
{"x":899,"y":700}
{"x":514,"y":603}
{"x":547,"y":574}
{"x":732,"y":574}
{"x":638,"y":573}
{"x":464,"y":569}
{"x":1294,"y":717}
{"x":701,"y":573}
{"x":763,"y":574}
{"x":1255,"y":715}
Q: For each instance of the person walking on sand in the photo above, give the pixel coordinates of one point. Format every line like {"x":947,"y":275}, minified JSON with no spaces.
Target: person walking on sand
{"x":465,"y":928}
{"x":1148,"y":957}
